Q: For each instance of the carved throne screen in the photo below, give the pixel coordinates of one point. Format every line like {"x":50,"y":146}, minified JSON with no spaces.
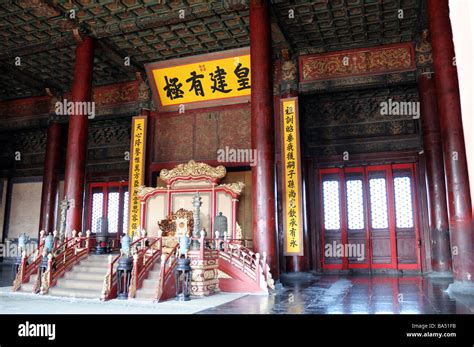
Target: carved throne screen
{"x":182,"y":183}
{"x":177,"y":224}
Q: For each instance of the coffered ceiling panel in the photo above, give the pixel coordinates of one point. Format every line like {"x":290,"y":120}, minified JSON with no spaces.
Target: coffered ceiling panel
{"x":40,"y":32}
{"x":329,"y":25}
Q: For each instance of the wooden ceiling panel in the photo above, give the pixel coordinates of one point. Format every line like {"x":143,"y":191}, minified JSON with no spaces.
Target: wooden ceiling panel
{"x":40,"y":32}
{"x":346,"y":24}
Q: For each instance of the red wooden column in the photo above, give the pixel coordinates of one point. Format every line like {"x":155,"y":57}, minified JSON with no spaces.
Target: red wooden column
{"x":49,"y":193}
{"x":436,"y":189}
{"x":263,"y":174}
{"x":77,"y":135}
{"x":457,"y":181}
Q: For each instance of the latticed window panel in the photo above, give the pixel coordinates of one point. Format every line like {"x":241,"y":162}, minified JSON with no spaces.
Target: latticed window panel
{"x":113,"y":211}
{"x":378,"y":203}
{"x":355,"y":205}
{"x":331,"y":205}
{"x":403,"y":202}
{"x":125,"y":212}
{"x":97,"y":210}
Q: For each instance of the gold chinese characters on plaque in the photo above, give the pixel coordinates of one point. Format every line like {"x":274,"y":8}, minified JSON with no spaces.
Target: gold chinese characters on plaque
{"x":201,"y":81}
{"x":292,"y":202}
{"x":137,"y":168}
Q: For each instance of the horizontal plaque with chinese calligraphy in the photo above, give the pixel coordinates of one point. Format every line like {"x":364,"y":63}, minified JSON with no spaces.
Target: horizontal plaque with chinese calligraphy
{"x":201,"y":81}
{"x":292,"y":197}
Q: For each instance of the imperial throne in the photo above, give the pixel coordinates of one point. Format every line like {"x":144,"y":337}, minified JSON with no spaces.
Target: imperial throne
{"x":172,"y":200}
{"x":166,"y":211}
{"x":178,"y":223}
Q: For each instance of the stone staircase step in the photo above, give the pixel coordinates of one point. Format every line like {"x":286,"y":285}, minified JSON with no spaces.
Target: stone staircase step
{"x":153,"y":273}
{"x":85,"y":280}
{"x":83,"y":293}
{"x":84,"y":275}
{"x":150,"y":284}
{"x":79,"y":284}
{"x":145,"y":294}
{"x":28,"y":287}
{"x":97,"y":258}
{"x":91,"y":269}
{"x":93,"y":263}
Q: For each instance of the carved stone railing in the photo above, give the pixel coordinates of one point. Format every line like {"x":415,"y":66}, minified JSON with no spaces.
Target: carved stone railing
{"x":143,"y":261}
{"x":26,"y":270}
{"x":250,"y":263}
{"x":166,"y":284}
{"x":109,"y":287}
{"x":63,"y":258}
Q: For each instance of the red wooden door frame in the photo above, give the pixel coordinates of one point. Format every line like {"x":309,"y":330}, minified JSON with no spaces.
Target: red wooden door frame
{"x":105,"y":191}
{"x":333,"y":172}
{"x":357,"y":170}
{"x":343,"y":215}
{"x":411,"y":167}
{"x":388,"y":174}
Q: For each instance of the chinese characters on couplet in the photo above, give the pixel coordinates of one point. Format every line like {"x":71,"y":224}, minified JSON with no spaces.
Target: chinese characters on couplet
{"x":293,"y":226}
{"x":136,"y":171}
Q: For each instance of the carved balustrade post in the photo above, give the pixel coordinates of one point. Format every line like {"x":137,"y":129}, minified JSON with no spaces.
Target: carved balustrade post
{"x":88,"y":241}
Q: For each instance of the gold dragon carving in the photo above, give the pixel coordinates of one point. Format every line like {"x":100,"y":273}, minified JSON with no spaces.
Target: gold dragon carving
{"x":236,"y":187}
{"x":193,"y":168}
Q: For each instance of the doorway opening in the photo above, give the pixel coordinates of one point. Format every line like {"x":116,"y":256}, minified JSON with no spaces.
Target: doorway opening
{"x":108,"y":200}
{"x":369,"y":218}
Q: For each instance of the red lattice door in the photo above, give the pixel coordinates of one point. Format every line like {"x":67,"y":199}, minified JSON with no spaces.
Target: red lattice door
{"x":369,"y":218}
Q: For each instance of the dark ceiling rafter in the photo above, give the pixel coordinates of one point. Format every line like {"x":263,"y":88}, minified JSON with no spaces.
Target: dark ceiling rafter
{"x":423,"y":18}
{"x":26,"y":78}
{"x":102,"y":46}
{"x":152,"y":22}
{"x":62,"y":40}
{"x":148,"y":31}
{"x":323,"y":26}
{"x":286,"y":44}
{"x":156,"y":21}
{"x":164,"y":35}
{"x":105,"y":48}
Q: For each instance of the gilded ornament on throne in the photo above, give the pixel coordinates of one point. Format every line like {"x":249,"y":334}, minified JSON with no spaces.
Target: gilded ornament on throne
{"x":179,"y":222}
